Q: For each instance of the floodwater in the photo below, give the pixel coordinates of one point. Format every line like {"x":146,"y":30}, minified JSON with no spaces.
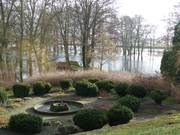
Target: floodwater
{"x":148,"y":63}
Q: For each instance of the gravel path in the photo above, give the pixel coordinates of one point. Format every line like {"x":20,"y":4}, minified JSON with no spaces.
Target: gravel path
{"x":148,"y":110}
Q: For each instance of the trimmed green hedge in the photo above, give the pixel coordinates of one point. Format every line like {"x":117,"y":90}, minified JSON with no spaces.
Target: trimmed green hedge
{"x":21,"y":90}
{"x":66,"y":84}
{"x":90,"y":119}
{"x":105,"y":85}
{"x":158,"y":96}
{"x":131,"y":102}
{"x":121,"y":89}
{"x":93,"y":80}
{"x":136,"y":90}
{"x":119,"y":115}
{"x":41,"y":87}
{"x":85,"y":88}
{"x":25,"y":123}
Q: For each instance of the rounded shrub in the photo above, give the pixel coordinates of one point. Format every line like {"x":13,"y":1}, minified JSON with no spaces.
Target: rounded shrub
{"x":25,"y":123}
{"x":41,"y":87}
{"x":105,"y":85}
{"x":90,"y":119}
{"x":3,"y":97}
{"x":21,"y":90}
{"x":66,"y":84}
{"x":136,"y":90}
{"x":158,"y":96}
{"x":93,"y":80}
{"x":85,"y":88}
{"x":121,"y":89}
{"x":119,"y":115}
{"x":131,"y":102}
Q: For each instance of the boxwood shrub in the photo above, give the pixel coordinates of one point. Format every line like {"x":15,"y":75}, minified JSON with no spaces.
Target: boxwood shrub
{"x":158,"y":96}
{"x":41,"y":87}
{"x":106,"y":85}
{"x":93,"y":80}
{"x":25,"y":123}
{"x":66,"y":84}
{"x":3,"y":97}
{"x":85,"y":88}
{"x":131,"y":102}
{"x":119,"y":115}
{"x":121,"y":89}
{"x":90,"y":119}
{"x":136,"y":90}
{"x":21,"y":90}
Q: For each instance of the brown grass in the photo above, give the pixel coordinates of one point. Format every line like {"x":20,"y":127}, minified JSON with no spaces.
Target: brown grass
{"x":157,"y":82}
{"x":56,"y":77}
{"x":149,"y":82}
{"x":152,"y":82}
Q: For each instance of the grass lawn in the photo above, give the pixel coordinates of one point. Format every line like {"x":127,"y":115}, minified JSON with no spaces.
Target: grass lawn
{"x":164,"y":125}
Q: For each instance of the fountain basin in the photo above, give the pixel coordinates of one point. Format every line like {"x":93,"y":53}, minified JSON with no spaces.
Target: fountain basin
{"x":44,"y":107}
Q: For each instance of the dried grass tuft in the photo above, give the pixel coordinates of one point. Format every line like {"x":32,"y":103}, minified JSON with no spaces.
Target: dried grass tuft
{"x":56,"y":77}
{"x":152,"y":82}
{"x":149,"y":82}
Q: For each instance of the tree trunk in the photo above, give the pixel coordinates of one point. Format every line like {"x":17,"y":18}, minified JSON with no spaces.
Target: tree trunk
{"x":21,"y":44}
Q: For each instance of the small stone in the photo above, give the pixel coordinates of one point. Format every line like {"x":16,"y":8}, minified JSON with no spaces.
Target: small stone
{"x":72,"y":129}
{"x":18,"y":100}
{"x":100,"y":97}
{"x":27,"y":98}
{"x":58,"y":123}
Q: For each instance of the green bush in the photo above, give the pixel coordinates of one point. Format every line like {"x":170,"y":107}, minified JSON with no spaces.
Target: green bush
{"x":119,"y":115}
{"x":66,"y":84}
{"x":136,"y":90}
{"x":170,"y":61}
{"x":176,"y":38}
{"x":90,"y":119}
{"x":21,"y":90}
{"x":41,"y":87}
{"x":131,"y":102}
{"x":121,"y":89}
{"x":25,"y":123}
{"x":85,"y":88}
{"x":3,"y":97}
{"x":93,"y":80}
{"x":105,"y":85}
{"x":168,"y":64}
{"x":158,"y":96}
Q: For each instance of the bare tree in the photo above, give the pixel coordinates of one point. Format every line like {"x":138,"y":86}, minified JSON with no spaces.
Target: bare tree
{"x":89,"y":14}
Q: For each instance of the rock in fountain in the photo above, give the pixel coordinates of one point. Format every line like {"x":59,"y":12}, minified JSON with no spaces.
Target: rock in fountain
{"x":59,"y":107}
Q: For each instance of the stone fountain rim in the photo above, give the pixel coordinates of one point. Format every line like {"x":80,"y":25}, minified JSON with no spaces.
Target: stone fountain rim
{"x":36,"y":107}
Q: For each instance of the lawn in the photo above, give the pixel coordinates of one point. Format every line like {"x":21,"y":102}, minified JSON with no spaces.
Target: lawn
{"x":164,"y":125}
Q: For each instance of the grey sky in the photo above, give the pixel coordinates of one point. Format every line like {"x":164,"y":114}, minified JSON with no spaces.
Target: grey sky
{"x":154,"y":11}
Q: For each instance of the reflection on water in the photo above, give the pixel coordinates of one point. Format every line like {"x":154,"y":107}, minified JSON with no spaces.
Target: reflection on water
{"x":149,"y":63}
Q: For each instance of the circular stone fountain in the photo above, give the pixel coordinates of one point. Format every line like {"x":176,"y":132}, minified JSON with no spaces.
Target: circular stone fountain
{"x":58,"y":107}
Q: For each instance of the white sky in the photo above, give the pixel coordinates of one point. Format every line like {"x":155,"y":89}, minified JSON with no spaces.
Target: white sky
{"x":154,"y":11}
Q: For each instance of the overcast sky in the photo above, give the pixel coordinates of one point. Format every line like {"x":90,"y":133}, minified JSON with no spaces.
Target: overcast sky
{"x":154,"y":11}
